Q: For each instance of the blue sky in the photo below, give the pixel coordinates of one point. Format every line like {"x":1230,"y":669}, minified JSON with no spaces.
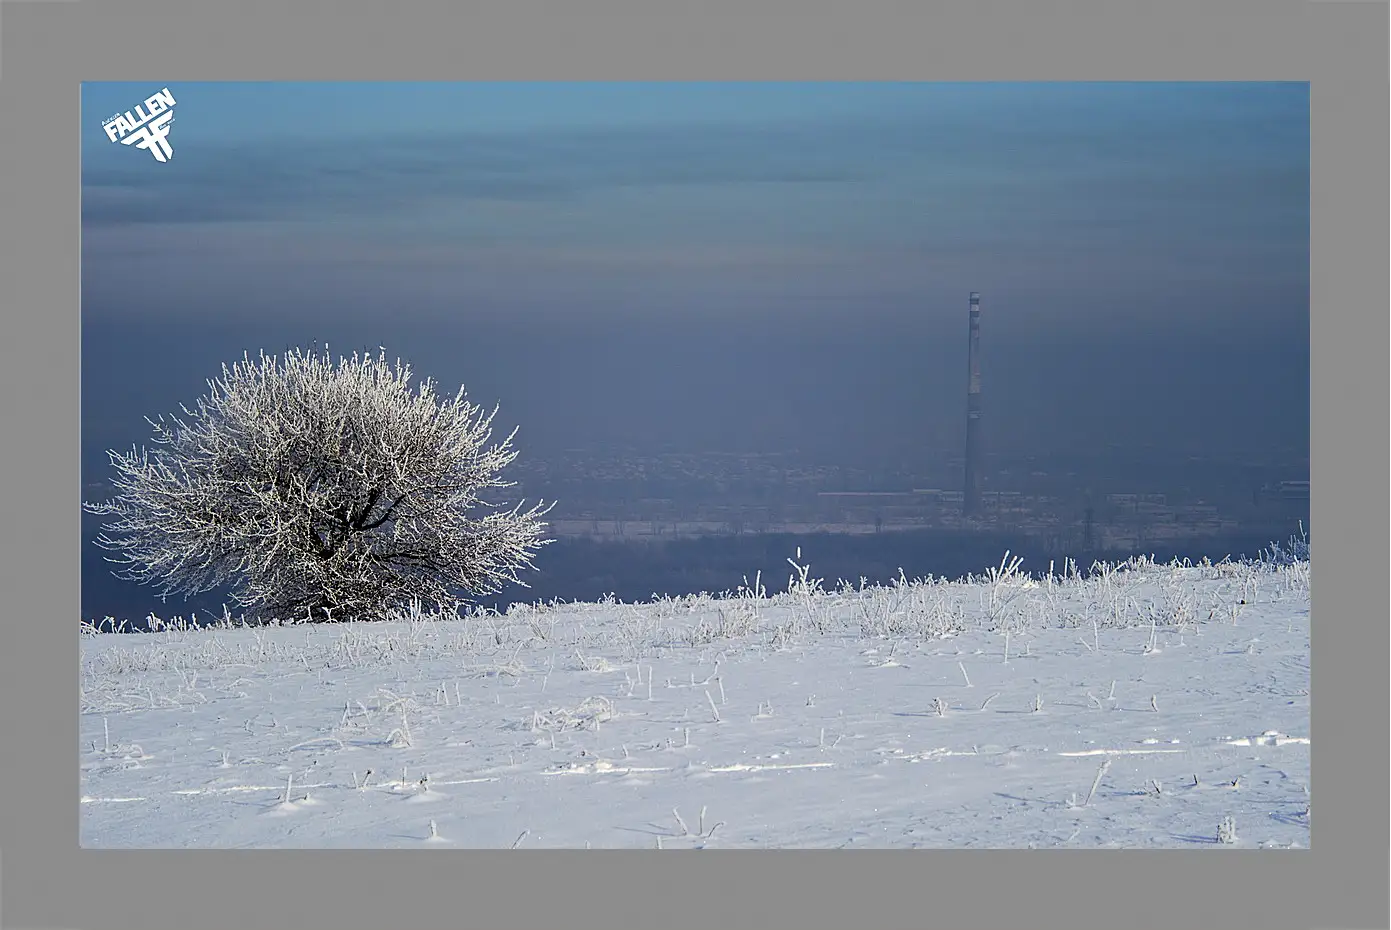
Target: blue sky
{"x":747,"y":253}
{"x":719,"y":193}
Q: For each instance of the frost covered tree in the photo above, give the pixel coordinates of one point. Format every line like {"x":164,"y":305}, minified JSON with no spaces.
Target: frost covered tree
{"x":320,"y":490}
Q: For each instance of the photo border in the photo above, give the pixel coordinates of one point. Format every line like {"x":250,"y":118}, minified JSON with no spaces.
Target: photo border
{"x":47,"y":48}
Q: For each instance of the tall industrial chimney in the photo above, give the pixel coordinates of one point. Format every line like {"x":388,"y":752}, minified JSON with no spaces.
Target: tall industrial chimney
{"x":974,"y":463}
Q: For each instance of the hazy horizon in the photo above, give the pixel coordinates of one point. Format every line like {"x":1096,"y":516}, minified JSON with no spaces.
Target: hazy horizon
{"x":774,"y":265}
{"x":753,"y":267}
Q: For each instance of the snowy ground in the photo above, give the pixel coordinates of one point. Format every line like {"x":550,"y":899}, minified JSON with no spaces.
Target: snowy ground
{"x":1139,"y":707}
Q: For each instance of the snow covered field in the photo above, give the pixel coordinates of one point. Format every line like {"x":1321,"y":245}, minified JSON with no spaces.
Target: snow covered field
{"x":1142,"y":706}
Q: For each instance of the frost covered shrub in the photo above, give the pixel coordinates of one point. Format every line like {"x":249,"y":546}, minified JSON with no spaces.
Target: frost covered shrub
{"x":319,"y":490}
{"x":1295,"y":550}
